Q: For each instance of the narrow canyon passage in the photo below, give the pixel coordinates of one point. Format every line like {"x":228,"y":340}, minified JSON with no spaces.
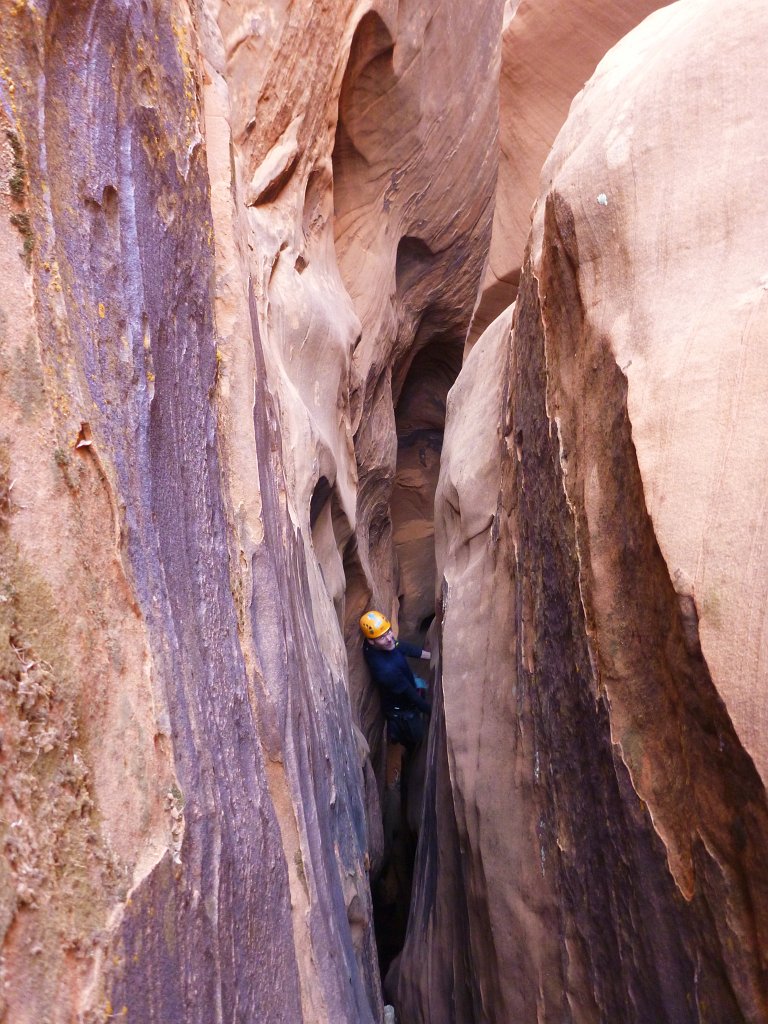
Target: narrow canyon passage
{"x":453,"y":311}
{"x":419,"y":423}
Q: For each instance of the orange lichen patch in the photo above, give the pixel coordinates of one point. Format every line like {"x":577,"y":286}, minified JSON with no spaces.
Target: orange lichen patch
{"x":10,"y":85}
{"x":183,"y":33}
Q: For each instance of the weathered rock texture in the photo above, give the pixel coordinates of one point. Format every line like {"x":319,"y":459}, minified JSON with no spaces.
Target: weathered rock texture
{"x":229,"y":232}
{"x":549,"y":50}
{"x":594,"y":843}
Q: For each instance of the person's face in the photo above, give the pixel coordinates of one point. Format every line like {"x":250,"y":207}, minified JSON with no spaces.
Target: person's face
{"x":386,"y":641}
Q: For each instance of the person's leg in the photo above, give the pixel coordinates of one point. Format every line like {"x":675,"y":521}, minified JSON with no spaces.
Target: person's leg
{"x":394,"y":768}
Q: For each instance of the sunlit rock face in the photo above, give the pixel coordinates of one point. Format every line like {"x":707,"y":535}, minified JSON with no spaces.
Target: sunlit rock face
{"x":596,"y":831}
{"x":230,"y":233}
{"x":549,"y":50}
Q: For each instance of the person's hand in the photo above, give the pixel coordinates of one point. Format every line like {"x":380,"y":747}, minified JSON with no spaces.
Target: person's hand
{"x":425,"y":655}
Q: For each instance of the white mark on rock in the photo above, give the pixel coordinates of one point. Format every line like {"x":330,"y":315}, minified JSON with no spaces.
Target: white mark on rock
{"x":602,"y":199}
{"x":618,"y":144}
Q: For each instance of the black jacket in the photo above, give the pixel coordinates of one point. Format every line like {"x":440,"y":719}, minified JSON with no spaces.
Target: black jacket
{"x":392,"y":674}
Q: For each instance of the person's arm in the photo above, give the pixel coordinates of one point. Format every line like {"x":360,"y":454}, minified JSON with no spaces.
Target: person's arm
{"x":412,"y":651}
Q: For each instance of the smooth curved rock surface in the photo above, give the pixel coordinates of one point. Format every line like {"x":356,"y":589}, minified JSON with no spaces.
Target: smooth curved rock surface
{"x":603,"y":573}
{"x":693,"y":366}
{"x":549,"y":50}
{"x":449,"y":969}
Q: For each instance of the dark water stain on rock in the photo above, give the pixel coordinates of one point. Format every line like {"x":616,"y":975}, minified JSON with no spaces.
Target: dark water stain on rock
{"x":195,"y":941}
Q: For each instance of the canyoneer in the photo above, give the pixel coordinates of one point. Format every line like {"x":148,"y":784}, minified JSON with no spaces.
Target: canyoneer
{"x":403,"y":699}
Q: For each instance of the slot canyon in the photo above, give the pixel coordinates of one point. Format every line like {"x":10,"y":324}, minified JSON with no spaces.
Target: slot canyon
{"x":447,"y":309}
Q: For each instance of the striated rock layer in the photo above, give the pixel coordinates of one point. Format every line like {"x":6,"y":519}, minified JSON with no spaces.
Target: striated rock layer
{"x":228,"y":230}
{"x":594,"y":842}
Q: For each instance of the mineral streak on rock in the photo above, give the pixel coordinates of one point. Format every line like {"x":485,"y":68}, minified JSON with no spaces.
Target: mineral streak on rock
{"x":106,"y":98}
{"x":602,"y":709}
{"x":122,"y":279}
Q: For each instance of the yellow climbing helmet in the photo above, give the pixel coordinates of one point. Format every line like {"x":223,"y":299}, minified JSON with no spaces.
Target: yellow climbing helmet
{"x":374,"y":624}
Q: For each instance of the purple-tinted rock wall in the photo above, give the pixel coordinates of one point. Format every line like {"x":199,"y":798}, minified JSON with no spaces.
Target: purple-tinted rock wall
{"x":127,"y":227}
{"x":107,"y":101}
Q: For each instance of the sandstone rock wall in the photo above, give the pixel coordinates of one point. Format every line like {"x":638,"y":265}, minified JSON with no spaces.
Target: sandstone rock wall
{"x":229,"y":229}
{"x":600,"y":543}
{"x":549,"y":50}
{"x":241,"y":246}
